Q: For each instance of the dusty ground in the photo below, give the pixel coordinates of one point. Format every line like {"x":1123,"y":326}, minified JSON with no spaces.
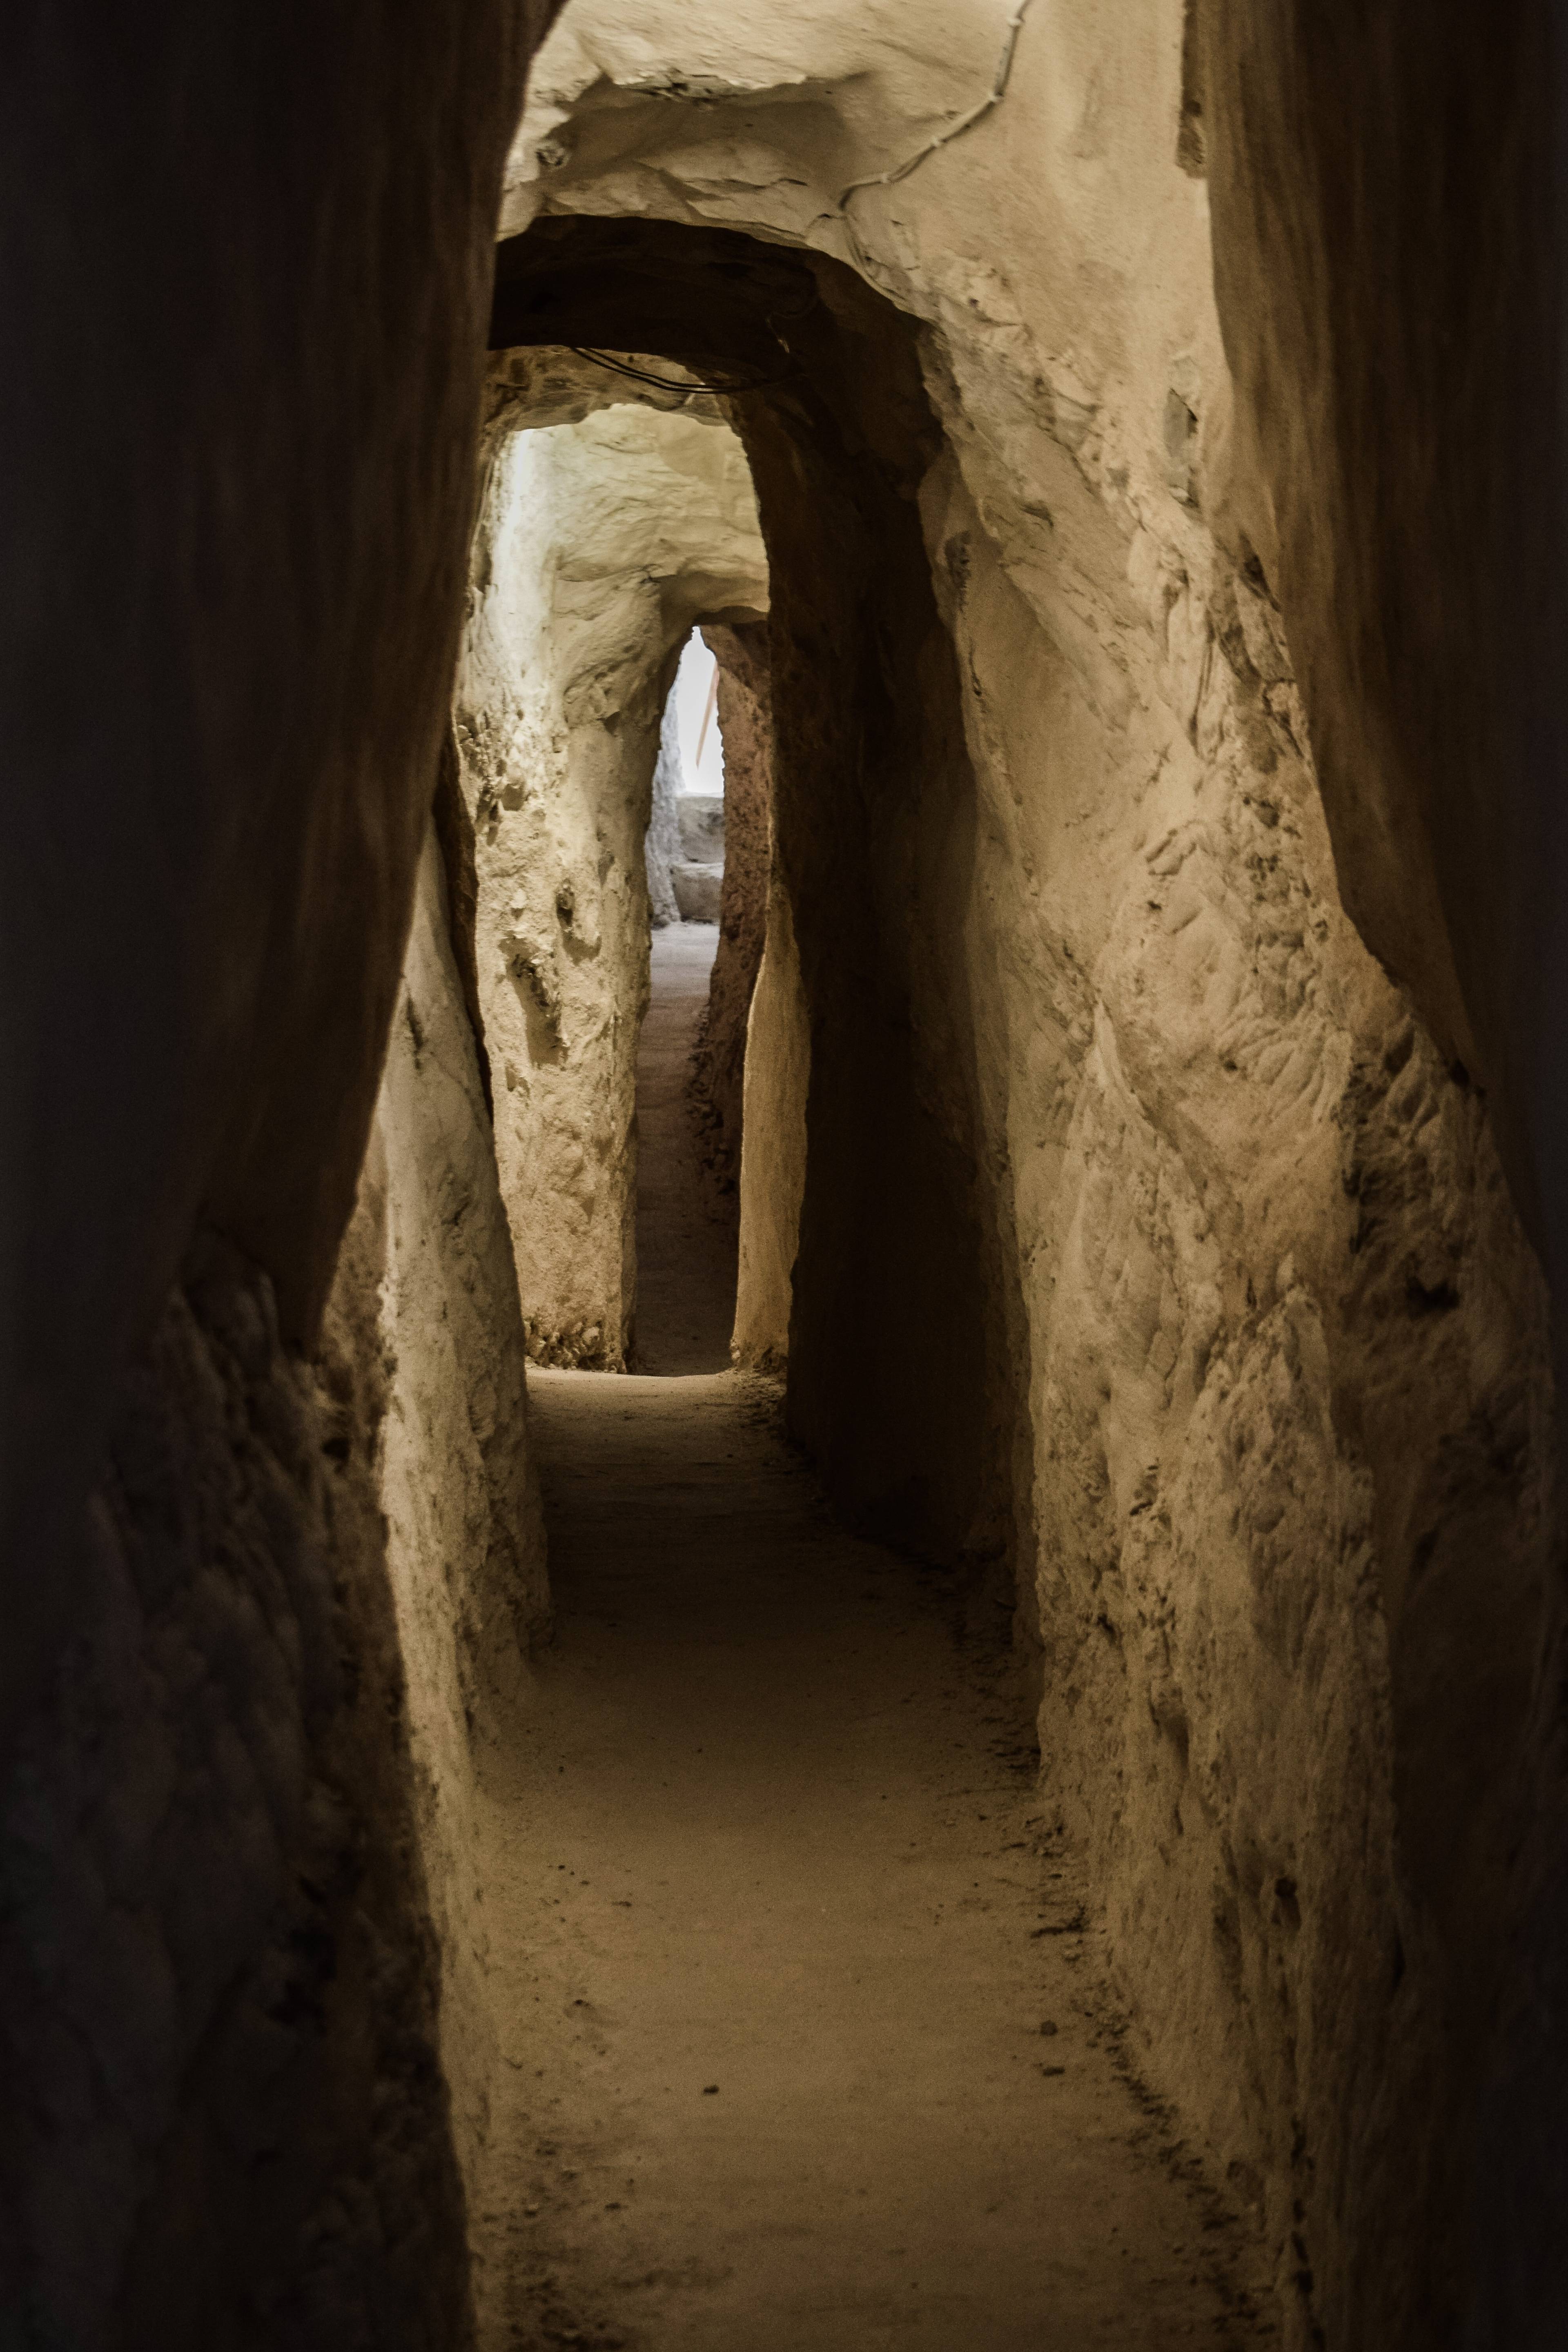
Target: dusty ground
{"x":805,"y":2046}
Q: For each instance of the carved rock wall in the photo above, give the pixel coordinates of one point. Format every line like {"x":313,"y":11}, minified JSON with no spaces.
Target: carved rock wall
{"x":1280,"y":1505}
{"x":777,"y":1079}
{"x":745,"y":720}
{"x":1385,"y":198}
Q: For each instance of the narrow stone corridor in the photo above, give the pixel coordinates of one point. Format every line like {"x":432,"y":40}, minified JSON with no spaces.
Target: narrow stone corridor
{"x":806,"y":2047}
{"x":893,"y":1670}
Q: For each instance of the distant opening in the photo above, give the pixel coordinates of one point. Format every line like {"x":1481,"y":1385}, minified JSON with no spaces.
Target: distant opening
{"x":686,"y":831}
{"x":687,"y":1232}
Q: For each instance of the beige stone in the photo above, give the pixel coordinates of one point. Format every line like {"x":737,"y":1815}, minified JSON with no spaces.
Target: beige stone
{"x":1156,"y":1052}
{"x":745,"y":716}
{"x":600,"y":545}
{"x":1152,"y":1119}
{"x":773,"y":1147}
{"x":464,"y":1545}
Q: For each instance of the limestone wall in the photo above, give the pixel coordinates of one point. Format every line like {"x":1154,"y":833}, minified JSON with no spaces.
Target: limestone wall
{"x":241,"y":1847}
{"x":1143,"y":1122}
{"x":745,"y":719}
{"x":426,"y":1308}
{"x":661,"y":842}
{"x":600,"y":543}
{"x":1370,"y":225}
{"x":777,"y":1077}
{"x":224,"y":2115}
{"x":225,"y":2105}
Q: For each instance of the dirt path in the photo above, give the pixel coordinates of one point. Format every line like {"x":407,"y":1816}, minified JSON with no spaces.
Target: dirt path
{"x":777,"y":2080}
{"x":805,"y":2044}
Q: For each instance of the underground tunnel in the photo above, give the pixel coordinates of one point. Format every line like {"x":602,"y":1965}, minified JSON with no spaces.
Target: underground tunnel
{"x":806,"y":1596}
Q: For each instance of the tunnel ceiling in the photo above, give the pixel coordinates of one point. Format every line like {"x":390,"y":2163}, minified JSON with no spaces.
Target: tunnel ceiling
{"x":829,"y":356}
{"x":713,"y":299}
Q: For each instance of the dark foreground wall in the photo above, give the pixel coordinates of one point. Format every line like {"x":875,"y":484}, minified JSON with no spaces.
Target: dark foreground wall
{"x":244,"y":268}
{"x":1387,"y":189}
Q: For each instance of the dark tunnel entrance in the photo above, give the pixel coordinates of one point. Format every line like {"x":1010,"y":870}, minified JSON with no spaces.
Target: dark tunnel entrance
{"x":874,"y":806}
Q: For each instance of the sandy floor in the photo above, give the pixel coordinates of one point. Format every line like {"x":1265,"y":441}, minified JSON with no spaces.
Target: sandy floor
{"x":806,"y":2048}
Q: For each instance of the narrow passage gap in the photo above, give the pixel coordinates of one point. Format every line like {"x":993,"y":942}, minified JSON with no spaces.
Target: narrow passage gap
{"x":807,"y":2046}
{"x":687,"y":1234}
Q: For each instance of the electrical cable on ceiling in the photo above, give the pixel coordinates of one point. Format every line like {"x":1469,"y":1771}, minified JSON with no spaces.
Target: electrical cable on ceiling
{"x":1001,"y":76}
{"x":672,"y":384}
{"x":993,"y":96}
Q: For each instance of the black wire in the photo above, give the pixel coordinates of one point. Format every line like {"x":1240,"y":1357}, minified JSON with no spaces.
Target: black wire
{"x":669,"y":383}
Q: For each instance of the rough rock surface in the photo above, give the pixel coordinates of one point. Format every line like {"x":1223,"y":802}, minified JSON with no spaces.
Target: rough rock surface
{"x":224,"y":2120}
{"x":745,"y":719}
{"x":1369,"y":225}
{"x":1133,"y":1097}
{"x":600,"y":545}
{"x":777,"y":1074}
{"x":426,"y":1306}
{"x":661,"y":842}
{"x":242,"y":1874}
